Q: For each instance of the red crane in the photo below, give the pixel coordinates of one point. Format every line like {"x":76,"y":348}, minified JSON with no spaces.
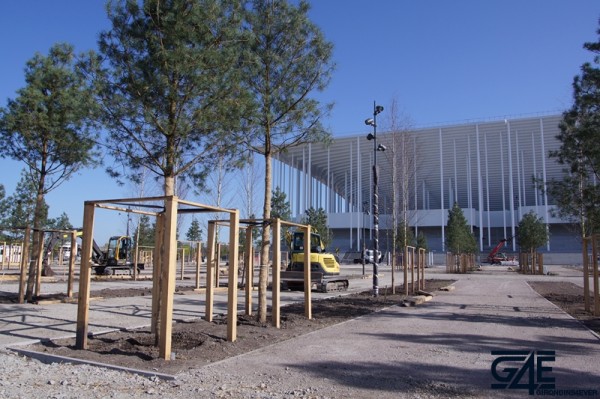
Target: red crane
{"x":494,"y":257}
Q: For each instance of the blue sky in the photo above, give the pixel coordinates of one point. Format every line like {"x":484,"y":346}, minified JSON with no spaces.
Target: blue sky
{"x":442,"y":61}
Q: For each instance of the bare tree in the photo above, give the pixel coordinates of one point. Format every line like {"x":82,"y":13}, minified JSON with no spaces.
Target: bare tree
{"x":290,"y":61}
{"x":402,"y":163}
{"x":249,"y":179}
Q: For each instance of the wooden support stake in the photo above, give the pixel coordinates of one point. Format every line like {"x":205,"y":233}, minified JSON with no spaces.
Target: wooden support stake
{"x":24,"y":263}
{"x":71,"y":276}
{"x":38,"y":269}
{"x":232,"y":283}
{"x":169,"y":262}
{"x":136,"y":257}
{"x":586,"y":274}
{"x":83,"y":301}
{"x":182,"y":263}
{"x":210,"y":272}
{"x":405,"y":265}
{"x":595,"y":239}
{"x":307,"y":277}
{"x":421,"y":269}
{"x":276,"y":283}
{"x":249,"y":266}
{"x":198,"y":262}
{"x":156,"y":273}
{"x":217,"y":265}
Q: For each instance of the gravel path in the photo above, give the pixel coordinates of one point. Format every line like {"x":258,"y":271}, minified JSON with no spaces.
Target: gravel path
{"x":437,"y":350}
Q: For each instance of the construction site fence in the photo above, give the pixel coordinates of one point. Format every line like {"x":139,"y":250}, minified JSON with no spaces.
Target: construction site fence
{"x":531,"y":263}
{"x":460,"y":263}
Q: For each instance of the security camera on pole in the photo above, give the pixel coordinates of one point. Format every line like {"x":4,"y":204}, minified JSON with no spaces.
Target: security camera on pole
{"x":373,"y":136}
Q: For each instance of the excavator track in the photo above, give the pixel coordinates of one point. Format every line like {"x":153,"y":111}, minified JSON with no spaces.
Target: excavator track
{"x":334,"y":285}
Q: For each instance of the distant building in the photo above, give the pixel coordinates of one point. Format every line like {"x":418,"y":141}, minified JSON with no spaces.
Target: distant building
{"x":494,"y":170}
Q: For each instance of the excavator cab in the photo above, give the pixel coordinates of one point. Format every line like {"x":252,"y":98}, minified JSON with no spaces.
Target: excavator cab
{"x":119,"y":250}
{"x":316,"y":245}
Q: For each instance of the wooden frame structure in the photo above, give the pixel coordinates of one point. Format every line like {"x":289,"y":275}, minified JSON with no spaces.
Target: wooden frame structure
{"x":459,"y":263}
{"x":531,"y":263}
{"x":276,"y":224}
{"x":592,"y":243}
{"x":14,"y":257}
{"x":165,"y":262}
{"x":25,"y":260}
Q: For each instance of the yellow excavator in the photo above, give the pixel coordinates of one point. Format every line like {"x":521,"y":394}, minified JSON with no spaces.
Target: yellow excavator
{"x":118,"y":257}
{"x":324,"y":267}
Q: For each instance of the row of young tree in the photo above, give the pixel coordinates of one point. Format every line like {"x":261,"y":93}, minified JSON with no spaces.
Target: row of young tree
{"x":16,"y":211}
{"x":576,"y":195}
{"x":175,"y":85}
{"x":532,"y":233}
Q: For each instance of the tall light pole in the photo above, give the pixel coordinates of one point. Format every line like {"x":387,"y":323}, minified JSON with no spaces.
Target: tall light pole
{"x":373,"y":136}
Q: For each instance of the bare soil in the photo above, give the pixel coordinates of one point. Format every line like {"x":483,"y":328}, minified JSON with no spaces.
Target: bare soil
{"x":569,"y":297}
{"x":199,"y":342}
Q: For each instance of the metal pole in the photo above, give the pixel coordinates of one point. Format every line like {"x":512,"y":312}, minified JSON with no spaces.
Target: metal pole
{"x":375,"y":207}
{"x":375,"y":232}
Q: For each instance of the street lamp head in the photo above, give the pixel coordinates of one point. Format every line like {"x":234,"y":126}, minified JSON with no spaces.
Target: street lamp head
{"x":370,"y":122}
{"x":381,"y":147}
{"x":370,"y":137}
{"x":378,"y":109}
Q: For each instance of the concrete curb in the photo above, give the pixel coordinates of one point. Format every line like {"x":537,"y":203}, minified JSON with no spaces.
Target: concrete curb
{"x":49,"y":359}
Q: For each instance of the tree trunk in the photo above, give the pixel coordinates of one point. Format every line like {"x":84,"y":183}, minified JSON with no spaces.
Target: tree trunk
{"x":38,"y":242}
{"x":169,"y":185}
{"x":265,"y":245}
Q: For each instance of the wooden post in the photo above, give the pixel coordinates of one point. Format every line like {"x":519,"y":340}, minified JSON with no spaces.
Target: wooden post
{"x":156,"y":273}
{"x":198,"y":262}
{"x":24,"y":263}
{"x":424,"y":253}
{"x":249,"y":266}
{"x":405,"y":265}
{"x":232,"y":284}
{"x":586,"y":274}
{"x":72,"y":264}
{"x":210,"y":271}
{"x":411,"y":251}
{"x":40,"y":259}
{"x":136,"y":258}
{"x":217,"y":265}
{"x":276,"y":283}
{"x":83,"y":301}
{"x":182,"y":263}
{"x":307,"y":277}
{"x":169,"y":262}
{"x":595,"y":271}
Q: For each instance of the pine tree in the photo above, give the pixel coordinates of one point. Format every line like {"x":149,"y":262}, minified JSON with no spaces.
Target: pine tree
{"x":49,"y":127}
{"x":194,"y":233}
{"x":577,"y":195}
{"x":531,"y":232}
{"x":459,"y":239}
{"x":422,"y":241}
{"x":289,"y":59}
{"x":145,"y":232}
{"x":60,"y":223}
{"x":317,"y":219}
{"x":168,"y":80}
